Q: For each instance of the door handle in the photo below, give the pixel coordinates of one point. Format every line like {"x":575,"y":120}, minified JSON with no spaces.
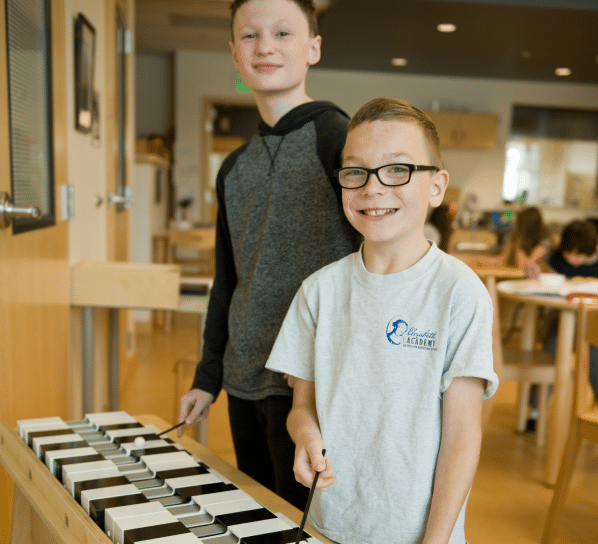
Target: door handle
{"x":127,"y":200}
{"x":8,"y":211}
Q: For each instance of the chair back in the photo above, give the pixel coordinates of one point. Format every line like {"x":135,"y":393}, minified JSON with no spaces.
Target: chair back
{"x":197,"y":245}
{"x":587,"y":333}
{"x":202,"y":239}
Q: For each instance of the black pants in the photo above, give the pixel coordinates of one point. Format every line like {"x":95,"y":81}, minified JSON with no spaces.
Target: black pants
{"x":263,"y":447}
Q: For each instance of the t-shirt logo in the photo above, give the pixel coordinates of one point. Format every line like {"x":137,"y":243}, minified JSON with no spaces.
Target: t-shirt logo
{"x":396,"y":329}
{"x":399,"y":333}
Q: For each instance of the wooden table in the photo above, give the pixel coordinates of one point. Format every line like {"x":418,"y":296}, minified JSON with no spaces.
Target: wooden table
{"x":528,"y":292}
{"x":115,"y":285}
{"x":44,"y":511}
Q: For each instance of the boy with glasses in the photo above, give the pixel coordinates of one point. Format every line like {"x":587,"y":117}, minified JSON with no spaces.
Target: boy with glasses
{"x":279,"y":220}
{"x":399,"y":417}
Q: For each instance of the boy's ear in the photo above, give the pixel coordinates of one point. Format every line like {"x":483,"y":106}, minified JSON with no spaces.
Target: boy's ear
{"x":315,"y":50}
{"x":233,"y":51}
{"x":438,"y":185}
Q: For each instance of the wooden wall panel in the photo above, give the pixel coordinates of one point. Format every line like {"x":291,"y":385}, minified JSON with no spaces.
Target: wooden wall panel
{"x":34,"y":288}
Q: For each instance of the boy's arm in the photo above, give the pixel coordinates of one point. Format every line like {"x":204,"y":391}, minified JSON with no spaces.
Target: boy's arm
{"x":208,"y":375}
{"x":458,"y":456}
{"x":304,"y":429}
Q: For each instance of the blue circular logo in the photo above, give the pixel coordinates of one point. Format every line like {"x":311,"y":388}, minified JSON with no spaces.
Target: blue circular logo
{"x":395,"y":330}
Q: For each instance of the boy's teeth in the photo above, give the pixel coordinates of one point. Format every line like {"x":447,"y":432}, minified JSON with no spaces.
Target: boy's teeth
{"x":379,"y":212}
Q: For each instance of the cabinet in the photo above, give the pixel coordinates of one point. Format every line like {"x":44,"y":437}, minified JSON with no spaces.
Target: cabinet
{"x":465,"y":130}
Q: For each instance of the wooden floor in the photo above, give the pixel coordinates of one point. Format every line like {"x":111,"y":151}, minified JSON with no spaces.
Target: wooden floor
{"x":508,"y":503}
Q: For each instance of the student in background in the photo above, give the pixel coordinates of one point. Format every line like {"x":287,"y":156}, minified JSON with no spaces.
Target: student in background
{"x":576,"y":257}
{"x":391,"y":350}
{"x":528,"y":245}
{"x":279,"y":220}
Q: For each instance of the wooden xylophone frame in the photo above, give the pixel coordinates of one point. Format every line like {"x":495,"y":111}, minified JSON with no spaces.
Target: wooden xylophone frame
{"x":44,"y":511}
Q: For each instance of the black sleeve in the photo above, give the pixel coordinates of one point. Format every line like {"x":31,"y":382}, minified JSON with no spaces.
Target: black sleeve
{"x":331,"y":130}
{"x":208,"y":375}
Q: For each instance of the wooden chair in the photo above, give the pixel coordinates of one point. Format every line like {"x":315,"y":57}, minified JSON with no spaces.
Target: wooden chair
{"x":202,"y":242}
{"x":584,"y":424}
{"x":525,"y":367}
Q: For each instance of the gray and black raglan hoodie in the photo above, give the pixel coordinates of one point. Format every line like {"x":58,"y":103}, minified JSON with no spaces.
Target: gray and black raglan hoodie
{"x":279,"y":220}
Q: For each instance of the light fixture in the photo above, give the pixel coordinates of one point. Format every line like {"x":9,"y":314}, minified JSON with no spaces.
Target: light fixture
{"x":446,"y":27}
{"x":526,"y":54}
{"x":562,"y":72}
{"x":399,"y":62}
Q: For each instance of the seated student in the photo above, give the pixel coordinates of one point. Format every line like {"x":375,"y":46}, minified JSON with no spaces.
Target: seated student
{"x":576,"y":256}
{"x":439,"y":227}
{"x":528,"y":246}
{"x":390,"y":349}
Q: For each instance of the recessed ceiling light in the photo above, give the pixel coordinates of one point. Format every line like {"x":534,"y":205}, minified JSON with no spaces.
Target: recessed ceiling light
{"x":399,"y":62}
{"x":562,"y":72}
{"x":526,"y":54}
{"x":446,"y":27}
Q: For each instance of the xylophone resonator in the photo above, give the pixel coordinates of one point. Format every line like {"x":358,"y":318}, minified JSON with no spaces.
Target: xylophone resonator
{"x":160,"y":494}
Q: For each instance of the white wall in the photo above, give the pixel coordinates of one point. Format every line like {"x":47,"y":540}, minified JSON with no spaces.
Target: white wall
{"x":200,"y":73}
{"x":86,"y":160}
{"x":153,"y":100}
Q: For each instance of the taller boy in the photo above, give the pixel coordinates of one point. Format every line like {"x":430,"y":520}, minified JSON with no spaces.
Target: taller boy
{"x":279,"y":220}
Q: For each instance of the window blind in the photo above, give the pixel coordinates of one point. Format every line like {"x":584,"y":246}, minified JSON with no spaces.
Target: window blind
{"x":29,"y":88}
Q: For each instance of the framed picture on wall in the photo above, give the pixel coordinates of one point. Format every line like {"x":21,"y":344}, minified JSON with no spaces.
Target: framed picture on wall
{"x":85,"y":36}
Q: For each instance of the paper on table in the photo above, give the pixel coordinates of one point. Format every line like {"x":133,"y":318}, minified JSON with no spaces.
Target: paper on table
{"x":534,"y":287}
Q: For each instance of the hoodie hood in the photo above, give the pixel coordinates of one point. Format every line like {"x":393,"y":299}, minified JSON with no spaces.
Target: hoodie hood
{"x":298,"y":117}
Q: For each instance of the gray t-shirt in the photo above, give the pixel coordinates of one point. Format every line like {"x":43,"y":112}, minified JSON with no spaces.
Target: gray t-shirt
{"x":381,"y":350}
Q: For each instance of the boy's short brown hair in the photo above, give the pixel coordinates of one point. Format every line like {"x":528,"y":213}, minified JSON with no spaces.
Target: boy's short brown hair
{"x":391,"y":109}
{"x":306,"y":6}
{"x":579,"y":237}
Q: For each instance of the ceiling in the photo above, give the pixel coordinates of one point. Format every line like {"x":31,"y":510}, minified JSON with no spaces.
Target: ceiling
{"x":504,"y":39}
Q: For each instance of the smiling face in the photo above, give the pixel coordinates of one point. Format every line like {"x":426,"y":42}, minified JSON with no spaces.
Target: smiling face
{"x":391,"y":215}
{"x":273,"y":47}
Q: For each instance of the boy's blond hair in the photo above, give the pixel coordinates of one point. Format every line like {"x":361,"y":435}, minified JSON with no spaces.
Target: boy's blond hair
{"x":306,"y":6}
{"x":391,"y":109}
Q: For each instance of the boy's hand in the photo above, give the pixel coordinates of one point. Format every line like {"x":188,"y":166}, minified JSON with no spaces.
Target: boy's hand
{"x":195,"y":405}
{"x":308,"y":460}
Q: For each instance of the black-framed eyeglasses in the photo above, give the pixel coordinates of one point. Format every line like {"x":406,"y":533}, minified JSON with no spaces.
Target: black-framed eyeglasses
{"x":391,"y":175}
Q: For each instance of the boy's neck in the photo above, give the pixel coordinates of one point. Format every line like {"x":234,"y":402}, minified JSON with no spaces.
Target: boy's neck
{"x":389,"y":258}
{"x":273,"y":107}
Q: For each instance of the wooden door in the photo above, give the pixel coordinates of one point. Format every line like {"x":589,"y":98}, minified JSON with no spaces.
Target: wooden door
{"x":34,"y":286}
{"x":119,"y":13}
{"x":120,"y":154}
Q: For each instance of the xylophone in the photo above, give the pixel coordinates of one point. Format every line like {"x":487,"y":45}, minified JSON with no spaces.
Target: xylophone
{"x":161,"y":494}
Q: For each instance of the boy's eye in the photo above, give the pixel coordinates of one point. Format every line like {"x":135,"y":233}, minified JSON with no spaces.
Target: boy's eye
{"x":397,"y":170}
{"x":249,"y":36}
{"x":283,"y":33}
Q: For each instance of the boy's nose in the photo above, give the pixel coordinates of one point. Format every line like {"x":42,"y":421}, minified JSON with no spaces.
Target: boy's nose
{"x":265,"y":45}
{"x":373,"y":185}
